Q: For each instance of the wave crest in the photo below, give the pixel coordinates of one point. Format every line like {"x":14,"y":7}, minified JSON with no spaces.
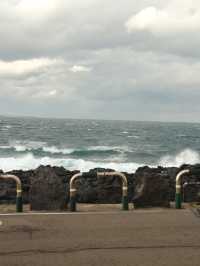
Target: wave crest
{"x":28,"y":146}
{"x":186,"y":156}
{"x":29,"y":161}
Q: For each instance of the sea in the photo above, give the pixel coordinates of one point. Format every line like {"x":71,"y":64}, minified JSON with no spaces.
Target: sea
{"x":26,"y":143}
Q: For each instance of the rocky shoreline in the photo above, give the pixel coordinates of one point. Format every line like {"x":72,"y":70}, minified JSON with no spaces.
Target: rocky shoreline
{"x":47,"y":188}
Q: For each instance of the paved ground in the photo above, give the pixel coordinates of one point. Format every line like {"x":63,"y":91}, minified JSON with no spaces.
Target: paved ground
{"x":141,"y":237}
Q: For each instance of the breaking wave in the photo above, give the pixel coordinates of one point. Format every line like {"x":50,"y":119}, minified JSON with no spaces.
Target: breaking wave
{"x":27,"y":155}
{"x":22,"y":146}
{"x":55,"y":150}
{"x":32,"y":146}
{"x":29,"y":161}
{"x":186,"y":156}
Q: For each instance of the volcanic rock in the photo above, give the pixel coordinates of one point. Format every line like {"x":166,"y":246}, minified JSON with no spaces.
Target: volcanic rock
{"x":48,"y":188}
{"x":104,"y":189}
{"x":151,"y":188}
{"x":8,"y":186}
{"x":191,"y":183}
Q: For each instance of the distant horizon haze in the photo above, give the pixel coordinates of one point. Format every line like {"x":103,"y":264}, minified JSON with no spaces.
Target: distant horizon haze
{"x":91,"y":118}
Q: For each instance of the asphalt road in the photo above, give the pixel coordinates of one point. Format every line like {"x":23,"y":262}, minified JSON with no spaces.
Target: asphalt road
{"x":151,"y":237}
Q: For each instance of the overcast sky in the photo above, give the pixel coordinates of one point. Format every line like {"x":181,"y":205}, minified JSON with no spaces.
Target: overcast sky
{"x":102,"y":59}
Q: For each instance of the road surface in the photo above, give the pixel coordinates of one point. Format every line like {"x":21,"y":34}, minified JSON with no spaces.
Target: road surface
{"x":141,"y":237}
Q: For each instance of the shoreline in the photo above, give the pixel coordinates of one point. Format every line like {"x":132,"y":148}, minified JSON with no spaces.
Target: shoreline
{"x":99,"y":168}
{"x":47,"y":187}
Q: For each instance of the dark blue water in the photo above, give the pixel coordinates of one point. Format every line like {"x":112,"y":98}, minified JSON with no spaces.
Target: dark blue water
{"x":26,"y":143}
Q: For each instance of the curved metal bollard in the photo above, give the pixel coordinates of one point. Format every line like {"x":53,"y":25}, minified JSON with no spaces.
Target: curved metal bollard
{"x":73,"y":190}
{"x":178,"y":188}
{"x":19,"y":203}
{"x":125,"y":206}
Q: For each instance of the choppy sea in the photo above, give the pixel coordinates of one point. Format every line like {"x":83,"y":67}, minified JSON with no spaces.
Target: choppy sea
{"x":26,"y":143}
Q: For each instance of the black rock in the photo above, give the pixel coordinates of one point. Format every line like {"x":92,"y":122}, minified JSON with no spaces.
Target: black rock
{"x":47,"y":189}
{"x":8,"y":186}
{"x":191,"y":183}
{"x":151,"y":188}
{"x":104,"y":189}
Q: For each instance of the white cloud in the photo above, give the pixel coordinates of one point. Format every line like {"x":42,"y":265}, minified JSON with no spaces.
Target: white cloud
{"x":45,"y":93}
{"x":53,"y":93}
{"x":20,"y":67}
{"x":33,"y":9}
{"x":177,"y":17}
{"x":78,"y":68}
{"x":158,"y":65}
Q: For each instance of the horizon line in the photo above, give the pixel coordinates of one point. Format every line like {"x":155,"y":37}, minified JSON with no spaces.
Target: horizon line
{"x":98,"y":119}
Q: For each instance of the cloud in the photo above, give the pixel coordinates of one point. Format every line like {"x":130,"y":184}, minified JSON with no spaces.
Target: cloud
{"x":75,"y":58}
{"x":46,"y":94}
{"x":21,"y":67}
{"x":53,"y":93}
{"x":35,"y":6}
{"x":32,"y":29}
{"x":169,"y":28}
{"x":77,"y":68}
{"x":169,"y":20}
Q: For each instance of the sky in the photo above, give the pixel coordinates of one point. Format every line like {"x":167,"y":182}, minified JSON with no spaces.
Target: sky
{"x":100,"y":59}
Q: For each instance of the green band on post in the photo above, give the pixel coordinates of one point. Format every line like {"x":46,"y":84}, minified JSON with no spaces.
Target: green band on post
{"x":178,"y":200}
{"x":125,"y":206}
{"x":19,"y":204}
{"x":73,"y":203}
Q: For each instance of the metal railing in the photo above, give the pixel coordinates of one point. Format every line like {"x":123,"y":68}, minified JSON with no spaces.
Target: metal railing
{"x":19,"y":203}
{"x":73,"y":190}
{"x":178,"y":199}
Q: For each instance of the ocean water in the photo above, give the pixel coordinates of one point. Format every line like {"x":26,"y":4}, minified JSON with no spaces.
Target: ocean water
{"x":26,"y":143}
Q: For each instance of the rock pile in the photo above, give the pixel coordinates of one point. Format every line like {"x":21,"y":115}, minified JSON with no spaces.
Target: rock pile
{"x":47,"y":188}
{"x":106,"y":189}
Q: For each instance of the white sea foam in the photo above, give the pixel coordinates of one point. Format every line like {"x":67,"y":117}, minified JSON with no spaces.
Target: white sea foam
{"x":29,"y":161}
{"x":133,"y":136}
{"x":107,"y":148}
{"x":15,"y":147}
{"x":55,"y":150}
{"x":5,"y":147}
{"x":5,"y":127}
{"x":186,"y":156}
{"x":22,"y":146}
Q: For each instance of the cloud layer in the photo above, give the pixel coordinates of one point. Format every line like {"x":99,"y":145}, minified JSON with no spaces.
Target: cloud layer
{"x":24,"y":67}
{"x":95,"y":59}
{"x":166,"y":21}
